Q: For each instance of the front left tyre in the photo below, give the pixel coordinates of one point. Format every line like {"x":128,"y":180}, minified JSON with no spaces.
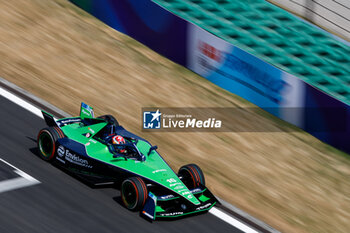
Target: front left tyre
{"x":47,"y":142}
{"x":134,"y":193}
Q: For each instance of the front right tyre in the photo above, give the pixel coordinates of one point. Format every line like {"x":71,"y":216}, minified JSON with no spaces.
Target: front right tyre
{"x":110,"y":120}
{"x":191,"y":175}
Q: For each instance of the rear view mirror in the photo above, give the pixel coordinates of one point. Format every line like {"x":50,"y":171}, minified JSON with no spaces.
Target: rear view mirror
{"x":151,"y":149}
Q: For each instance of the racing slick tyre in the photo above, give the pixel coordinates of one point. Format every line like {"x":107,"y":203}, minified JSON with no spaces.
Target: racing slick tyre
{"x":110,"y":119}
{"x":46,"y":140}
{"x":191,"y":175}
{"x":134,"y":193}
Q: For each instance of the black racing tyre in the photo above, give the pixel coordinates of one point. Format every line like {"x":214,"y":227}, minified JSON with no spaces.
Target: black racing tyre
{"x":192,"y":176}
{"x":110,"y":119}
{"x":134,"y":193}
{"x":46,"y":140}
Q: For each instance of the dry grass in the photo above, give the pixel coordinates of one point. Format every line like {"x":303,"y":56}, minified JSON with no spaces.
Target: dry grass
{"x":289,"y":180}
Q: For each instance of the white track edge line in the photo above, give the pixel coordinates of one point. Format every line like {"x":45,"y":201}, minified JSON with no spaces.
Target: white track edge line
{"x":24,"y":181}
{"x":24,"y":104}
{"x":36,"y":111}
{"x":19,"y":171}
{"x":232,"y":221}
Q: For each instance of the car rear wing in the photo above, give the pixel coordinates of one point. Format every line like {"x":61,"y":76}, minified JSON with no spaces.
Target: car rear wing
{"x":49,"y":119}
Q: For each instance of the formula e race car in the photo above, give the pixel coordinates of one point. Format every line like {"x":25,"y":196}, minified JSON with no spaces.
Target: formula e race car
{"x":84,"y":146}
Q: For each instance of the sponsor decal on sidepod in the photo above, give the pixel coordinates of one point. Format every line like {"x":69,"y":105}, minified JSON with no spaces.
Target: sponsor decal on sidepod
{"x":71,"y":157}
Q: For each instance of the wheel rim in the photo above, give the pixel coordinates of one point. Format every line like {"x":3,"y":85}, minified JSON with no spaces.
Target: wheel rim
{"x":129,"y":194}
{"x":45,"y":145}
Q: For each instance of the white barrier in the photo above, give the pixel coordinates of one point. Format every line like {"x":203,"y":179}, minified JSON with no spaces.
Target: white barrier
{"x":332,"y":15}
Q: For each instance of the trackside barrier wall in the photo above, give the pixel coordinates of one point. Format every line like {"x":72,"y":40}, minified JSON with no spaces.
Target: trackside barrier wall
{"x":229,"y":67}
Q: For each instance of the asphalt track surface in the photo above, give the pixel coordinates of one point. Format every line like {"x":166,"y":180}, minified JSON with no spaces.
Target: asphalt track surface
{"x":62,"y":203}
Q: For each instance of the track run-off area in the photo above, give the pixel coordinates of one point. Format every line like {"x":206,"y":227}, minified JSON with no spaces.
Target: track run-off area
{"x":36,"y":196}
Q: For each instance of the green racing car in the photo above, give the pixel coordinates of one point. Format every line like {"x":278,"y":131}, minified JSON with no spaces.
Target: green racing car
{"x":101,"y":151}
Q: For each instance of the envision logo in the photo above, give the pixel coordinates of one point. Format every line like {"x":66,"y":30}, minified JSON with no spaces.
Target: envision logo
{"x":70,"y":157}
{"x":60,"y":151}
{"x":73,"y":158}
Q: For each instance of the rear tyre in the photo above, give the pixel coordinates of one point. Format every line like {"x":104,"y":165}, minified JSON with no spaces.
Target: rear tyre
{"x":192,"y":176}
{"x":134,"y":193}
{"x":46,"y":140}
{"x":110,"y":119}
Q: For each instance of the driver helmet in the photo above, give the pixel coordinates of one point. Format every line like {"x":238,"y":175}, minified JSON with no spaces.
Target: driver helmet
{"x":117,"y":139}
